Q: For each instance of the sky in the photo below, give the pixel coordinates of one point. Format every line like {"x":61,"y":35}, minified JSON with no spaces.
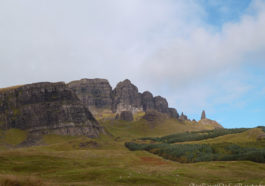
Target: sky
{"x":199,"y":54}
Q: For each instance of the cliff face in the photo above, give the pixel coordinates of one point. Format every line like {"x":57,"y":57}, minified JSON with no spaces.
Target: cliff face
{"x":148,"y":101}
{"x":46,"y":108}
{"x":97,"y":94}
{"x":94,"y":93}
{"x":126,"y":98}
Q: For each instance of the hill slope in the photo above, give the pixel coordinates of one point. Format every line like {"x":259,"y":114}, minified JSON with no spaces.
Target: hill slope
{"x":69,"y":160}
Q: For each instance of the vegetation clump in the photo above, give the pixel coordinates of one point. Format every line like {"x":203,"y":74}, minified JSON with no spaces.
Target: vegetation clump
{"x":195,"y":135}
{"x":190,"y":153}
{"x":201,"y":152}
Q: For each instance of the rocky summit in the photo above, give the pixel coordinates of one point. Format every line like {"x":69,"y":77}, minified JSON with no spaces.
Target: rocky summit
{"x":203,"y":116}
{"x":97,"y":94}
{"x":43,"y":108}
{"x":126,"y":98}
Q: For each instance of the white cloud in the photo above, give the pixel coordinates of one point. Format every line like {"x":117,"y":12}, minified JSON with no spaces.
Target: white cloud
{"x":205,"y":57}
{"x":63,"y":40}
{"x":162,"y":45}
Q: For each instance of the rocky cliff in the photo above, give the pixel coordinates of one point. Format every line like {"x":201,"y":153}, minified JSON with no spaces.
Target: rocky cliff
{"x":46,"y":108}
{"x":97,"y":94}
{"x":126,"y":98}
{"x":93,"y":93}
{"x":203,"y":116}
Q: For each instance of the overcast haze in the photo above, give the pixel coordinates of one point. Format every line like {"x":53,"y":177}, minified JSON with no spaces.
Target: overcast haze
{"x":199,"y":54}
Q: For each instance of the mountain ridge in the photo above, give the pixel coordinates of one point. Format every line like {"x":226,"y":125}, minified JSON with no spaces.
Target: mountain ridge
{"x":70,"y":108}
{"x":124,"y":97}
{"x":44,"y":108}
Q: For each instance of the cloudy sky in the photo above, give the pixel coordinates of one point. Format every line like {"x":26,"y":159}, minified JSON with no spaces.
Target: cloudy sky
{"x":199,"y":54}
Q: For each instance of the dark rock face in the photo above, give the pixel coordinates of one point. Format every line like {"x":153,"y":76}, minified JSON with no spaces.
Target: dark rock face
{"x":203,"y":116}
{"x":153,"y":116}
{"x":161,"y":104}
{"x":126,"y":116}
{"x":94,"y":93}
{"x":97,"y":94}
{"x":46,"y":108}
{"x":148,"y":101}
{"x":126,"y":98}
{"x":173,"y":113}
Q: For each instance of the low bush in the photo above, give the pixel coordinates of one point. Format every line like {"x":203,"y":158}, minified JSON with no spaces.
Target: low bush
{"x":188,"y":153}
{"x":195,"y":136}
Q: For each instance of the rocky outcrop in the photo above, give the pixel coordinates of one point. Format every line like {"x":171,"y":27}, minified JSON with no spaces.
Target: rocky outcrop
{"x":94,"y":93}
{"x":211,"y":123}
{"x":126,"y":98}
{"x":161,"y":104}
{"x":173,"y":113}
{"x":148,"y":101}
{"x":98,"y":95}
{"x":208,"y":122}
{"x":183,"y":117}
{"x":203,"y":116}
{"x":126,"y":116}
{"x":46,"y":108}
{"x":154,"y":116}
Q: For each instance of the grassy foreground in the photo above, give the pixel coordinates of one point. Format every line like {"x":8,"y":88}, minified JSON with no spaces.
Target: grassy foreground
{"x":63,"y":160}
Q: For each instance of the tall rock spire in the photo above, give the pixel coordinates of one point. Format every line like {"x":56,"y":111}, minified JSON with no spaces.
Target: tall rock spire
{"x":203,"y":115}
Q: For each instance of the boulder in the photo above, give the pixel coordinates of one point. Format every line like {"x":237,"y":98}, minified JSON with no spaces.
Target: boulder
{"x":126,"y":116}
{"x":154,"y":116}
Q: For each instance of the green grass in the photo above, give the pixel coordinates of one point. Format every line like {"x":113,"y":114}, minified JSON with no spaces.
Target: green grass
{"x":245,"y":137}
{"x":120,"y":166}
{"x":61,"y":160}
{"x":213,"y":145}
{"x":143,"y":128}
{"x":13,"y":137}
{"x":195,"y":135}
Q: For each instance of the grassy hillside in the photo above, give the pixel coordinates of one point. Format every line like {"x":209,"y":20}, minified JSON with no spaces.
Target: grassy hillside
{"x":213,"y":145}
{"x":66,"y":160}
{"x":11,"y":138}
{"x":143,"y":128}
